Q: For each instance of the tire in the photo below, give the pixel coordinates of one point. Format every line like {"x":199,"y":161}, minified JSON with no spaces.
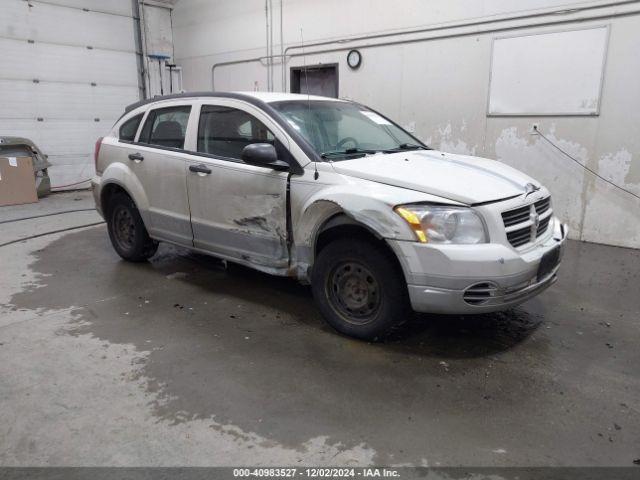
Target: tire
{"x":360,"y":289}
{"x":127,"y":232}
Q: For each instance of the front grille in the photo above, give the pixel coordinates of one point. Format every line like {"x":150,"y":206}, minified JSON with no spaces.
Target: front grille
{"x":514,"y":217}
{"x":543,"y":205}
{"x":520,"y":222}
{"x":543,"y":226}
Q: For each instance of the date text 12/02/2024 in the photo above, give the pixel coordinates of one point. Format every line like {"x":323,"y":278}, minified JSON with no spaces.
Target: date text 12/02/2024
{"x":316,"y":472}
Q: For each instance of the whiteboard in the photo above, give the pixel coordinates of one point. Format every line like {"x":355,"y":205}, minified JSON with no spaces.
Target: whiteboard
{"x":557,"y":73}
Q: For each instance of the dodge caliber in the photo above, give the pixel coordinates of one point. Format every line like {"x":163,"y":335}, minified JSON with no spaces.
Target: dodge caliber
{"x":333,"y":194}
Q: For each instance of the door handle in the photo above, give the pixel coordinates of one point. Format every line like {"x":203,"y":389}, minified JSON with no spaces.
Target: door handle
{"x":136,"y":156}
{"x":200,"y":169}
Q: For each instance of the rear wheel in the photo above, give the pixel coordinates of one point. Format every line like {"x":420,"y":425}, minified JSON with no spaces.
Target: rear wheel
{"x":127,"y":232}
{"x":360,"y":289}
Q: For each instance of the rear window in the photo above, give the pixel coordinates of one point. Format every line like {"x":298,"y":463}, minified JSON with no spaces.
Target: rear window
{"x":166,"y":127}
{"x":129,"y":128}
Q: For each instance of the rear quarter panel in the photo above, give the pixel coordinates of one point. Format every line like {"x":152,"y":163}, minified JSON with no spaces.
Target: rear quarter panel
{"x":114,"y":159}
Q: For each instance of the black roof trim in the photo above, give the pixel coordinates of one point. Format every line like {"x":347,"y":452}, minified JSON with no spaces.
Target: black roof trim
{"x":302,"y":142}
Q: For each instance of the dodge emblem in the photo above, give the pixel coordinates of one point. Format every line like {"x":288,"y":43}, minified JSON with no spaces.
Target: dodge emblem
{"x":529,"y":188}
{"x":535,"y":219}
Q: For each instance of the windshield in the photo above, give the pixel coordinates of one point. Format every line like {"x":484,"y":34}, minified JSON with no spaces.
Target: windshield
{"x":339,"y":130}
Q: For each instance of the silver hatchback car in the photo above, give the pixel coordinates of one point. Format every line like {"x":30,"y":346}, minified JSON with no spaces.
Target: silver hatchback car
{"x":332,"y":193}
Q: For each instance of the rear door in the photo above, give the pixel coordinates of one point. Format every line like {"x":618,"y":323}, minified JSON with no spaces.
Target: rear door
{"x":158,"y":160}
{"x":238,"y":210}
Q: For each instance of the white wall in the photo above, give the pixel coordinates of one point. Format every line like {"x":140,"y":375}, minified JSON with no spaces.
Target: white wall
{"x":436,"y":82}
{"x":68,"y":70}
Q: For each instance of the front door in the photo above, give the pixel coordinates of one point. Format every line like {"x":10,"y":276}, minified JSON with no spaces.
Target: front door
{"x":238,"y":211}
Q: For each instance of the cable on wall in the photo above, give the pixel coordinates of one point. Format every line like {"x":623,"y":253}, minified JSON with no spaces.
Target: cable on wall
{"x":537,"y":130}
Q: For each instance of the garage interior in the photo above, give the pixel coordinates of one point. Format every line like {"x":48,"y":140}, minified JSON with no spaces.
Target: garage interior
{"x":186,"y":360}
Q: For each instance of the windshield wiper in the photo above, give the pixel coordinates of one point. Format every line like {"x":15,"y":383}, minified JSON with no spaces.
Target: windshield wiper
{"x":406,"y":146}
{"x":348,"y":151}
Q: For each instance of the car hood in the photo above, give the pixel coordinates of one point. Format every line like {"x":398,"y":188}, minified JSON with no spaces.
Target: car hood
{"x":460,"y":178}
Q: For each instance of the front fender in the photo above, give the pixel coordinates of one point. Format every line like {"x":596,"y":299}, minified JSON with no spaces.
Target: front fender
{"x":368,"y":203}
{"x":364,"y":206}
{"x":376,"y":214}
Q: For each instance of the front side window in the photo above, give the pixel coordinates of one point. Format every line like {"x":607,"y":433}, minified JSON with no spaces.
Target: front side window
{"x":226,"y":131}
{"x":129,"y":128}
{"x":166,"y":127}
{"x":339,"y":130}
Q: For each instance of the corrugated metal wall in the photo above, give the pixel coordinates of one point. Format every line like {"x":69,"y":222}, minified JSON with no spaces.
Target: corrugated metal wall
{"x":68,"y":69}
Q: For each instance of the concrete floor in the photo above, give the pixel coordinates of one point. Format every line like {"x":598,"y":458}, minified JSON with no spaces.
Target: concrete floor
{"x":181,"y":362}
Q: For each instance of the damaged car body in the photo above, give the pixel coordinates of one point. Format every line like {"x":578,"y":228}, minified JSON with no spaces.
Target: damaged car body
{"x":333,"y":194}
{"x":23,"y":147}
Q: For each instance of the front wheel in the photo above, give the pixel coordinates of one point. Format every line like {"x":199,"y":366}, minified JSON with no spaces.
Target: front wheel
{"x":360,"y":289}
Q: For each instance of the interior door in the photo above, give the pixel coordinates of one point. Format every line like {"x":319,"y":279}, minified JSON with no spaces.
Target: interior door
{"x":157,"y":159}
{"x":238,"y":210}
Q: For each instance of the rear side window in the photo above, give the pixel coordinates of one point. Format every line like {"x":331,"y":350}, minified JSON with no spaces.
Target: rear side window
{"x":166,"y":127}
{"x":226,"y":131}
{"x":129,"y":128}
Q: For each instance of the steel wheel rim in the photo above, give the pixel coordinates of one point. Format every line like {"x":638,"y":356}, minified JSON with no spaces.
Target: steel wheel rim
{"x":124,"y":228}
{"x":353,"y":292}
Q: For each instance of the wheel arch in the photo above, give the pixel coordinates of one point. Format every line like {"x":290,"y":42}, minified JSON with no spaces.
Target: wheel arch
{"x":108,"y":191}
{"x":341,"y":225}
{"x":118,"y":177}
{"x":336,"y":223}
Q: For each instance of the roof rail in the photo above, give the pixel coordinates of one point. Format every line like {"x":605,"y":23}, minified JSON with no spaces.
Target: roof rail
{"x":158,"y":98}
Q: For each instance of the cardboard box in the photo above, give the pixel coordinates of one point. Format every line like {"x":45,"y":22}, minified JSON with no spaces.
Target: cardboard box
{"x":17,"y":181}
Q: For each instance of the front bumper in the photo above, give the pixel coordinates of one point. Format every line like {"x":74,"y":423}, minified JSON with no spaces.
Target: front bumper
{"x":445,"y":278}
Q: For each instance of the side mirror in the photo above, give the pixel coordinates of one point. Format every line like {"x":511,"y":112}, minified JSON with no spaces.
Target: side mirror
{"x":262,"y":155}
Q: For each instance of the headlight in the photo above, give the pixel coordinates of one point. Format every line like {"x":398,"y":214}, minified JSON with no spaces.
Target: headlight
{"x":441,"y":224}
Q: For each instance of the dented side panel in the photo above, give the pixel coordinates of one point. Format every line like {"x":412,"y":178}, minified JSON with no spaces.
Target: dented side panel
{"x":367,"y":203}
{"x":239,"y":211}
